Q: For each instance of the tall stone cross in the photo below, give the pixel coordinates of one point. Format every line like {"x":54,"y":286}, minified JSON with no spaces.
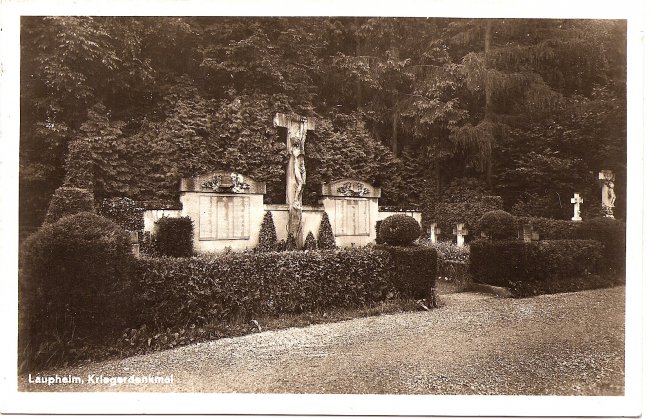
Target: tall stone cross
{"x":460,"y":232}
{"x":576,"y":201}
{"x":607,"y":178}
{"x":297,"y":127}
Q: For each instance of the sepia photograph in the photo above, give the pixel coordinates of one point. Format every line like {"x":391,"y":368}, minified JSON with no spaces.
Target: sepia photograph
{"x":335,"y":209}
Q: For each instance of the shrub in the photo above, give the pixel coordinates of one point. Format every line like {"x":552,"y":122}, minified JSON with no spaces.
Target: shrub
{"x":310,"y":242}
{"x":68,"y":201}
{"x":74,"y":282}
{"x":448,"y":251}
{"x":174,"y":236}
{"x":238,"y":286}
{"x":498,"y":225}
{"x":268,"y":240}
{"x":378,"y":238}
{"x":550,"y":229}
{"x":326,"y":239}
{"x":399,"y":230}
{"x":453,"y":276}
{"x":124,"y":212}
{"x":536,"y":267}
{"x":611,"y":233}
{"x":415,"y":269}
{"x":290,"y":244}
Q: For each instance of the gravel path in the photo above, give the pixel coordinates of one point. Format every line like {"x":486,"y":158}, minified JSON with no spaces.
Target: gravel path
{"x":563,"y":344}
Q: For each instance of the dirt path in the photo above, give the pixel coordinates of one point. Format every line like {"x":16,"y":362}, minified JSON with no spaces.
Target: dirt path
{"x":564,"y":344}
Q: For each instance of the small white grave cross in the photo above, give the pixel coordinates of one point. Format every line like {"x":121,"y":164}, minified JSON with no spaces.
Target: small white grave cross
{"x":435,"y":231}
{"x":576,"y":201}
{"x":460,"y":233}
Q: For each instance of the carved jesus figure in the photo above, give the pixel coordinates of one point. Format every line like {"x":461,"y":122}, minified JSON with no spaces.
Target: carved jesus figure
{"x":299,"y":171}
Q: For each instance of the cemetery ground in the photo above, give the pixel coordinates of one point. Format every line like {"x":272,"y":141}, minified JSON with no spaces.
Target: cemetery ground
{"x":557,"y":344}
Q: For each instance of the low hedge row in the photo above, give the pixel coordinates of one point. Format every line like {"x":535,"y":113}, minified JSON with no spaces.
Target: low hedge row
{"x":239,"y":286}
{"x":550,"y":229}
{"x":611,"y":233}
{"x":415,"y":269}
{"x":537,"y":267}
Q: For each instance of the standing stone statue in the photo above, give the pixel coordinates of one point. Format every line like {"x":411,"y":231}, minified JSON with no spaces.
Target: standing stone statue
{"x":297,"y":127}
{"x":607,"y":178}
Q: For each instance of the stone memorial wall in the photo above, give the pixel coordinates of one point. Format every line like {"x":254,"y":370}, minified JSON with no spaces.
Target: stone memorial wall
{"x":353,"y":209}
{"x":227,"y":209}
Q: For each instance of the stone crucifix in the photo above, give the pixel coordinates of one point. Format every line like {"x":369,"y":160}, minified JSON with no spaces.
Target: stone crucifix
{"x":297,"y":127}
{"x":576,"y":201}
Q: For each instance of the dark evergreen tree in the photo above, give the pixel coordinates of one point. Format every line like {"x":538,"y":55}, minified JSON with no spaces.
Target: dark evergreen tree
{"x":325,"y":235}
{"x":310,"y":242}
{"x":268,"y":240}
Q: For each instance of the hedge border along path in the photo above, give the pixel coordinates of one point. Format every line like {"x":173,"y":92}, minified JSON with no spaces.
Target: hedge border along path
{"x":235,"y":287}
{"x":562,"y":344}
{"x":539,"y":267}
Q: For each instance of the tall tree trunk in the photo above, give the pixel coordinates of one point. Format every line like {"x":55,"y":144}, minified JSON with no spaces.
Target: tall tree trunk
{"x":489,"y":108}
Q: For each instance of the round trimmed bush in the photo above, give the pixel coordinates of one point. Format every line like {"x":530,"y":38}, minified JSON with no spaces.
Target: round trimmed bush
{"x":67,"y":201}
{"x":498,"y":225}
{"x":75,"y":280}
{"x":399,"y":230}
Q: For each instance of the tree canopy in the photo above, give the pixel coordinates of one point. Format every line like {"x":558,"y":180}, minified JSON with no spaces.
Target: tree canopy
{"x":529,"y":109}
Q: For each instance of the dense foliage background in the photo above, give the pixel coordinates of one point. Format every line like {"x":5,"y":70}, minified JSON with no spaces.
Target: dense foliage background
{"x":429,"y":109}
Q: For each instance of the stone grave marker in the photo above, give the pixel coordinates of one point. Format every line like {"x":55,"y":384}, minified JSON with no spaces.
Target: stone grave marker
{"x":576,"y":201}
{"x":435,"y":232}
{"x":460,"y":232}
{"x":527,"y":233}
{"x":135,"y":245}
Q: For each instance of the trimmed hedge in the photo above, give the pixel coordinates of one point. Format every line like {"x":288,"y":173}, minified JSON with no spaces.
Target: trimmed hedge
{"x":415,"y":269}
{"x":498,"y":225}
{"x":124,"y":212}
{"x":174,"y":236}
{"x":238,"y":286}
{"x":75,"y":282}
{"x":537,"y":267}
{"x":68,"y":201}
{"x":611,"y":233}
{"x":550,"y":229}
{"x":399,"y":230}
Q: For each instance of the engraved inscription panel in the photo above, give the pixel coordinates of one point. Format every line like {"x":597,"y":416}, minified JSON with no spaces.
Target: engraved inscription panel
{"x":224,"y":217}
{"x":352,"y":217}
